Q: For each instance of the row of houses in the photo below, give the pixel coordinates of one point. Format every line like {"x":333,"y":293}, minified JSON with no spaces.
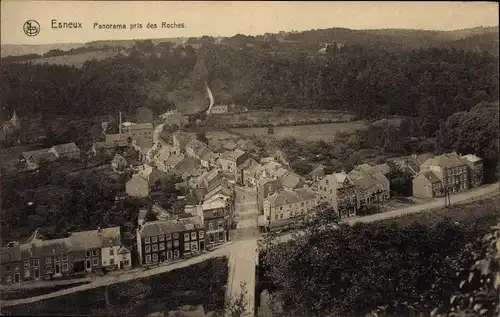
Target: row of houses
{"x":31,"y":160}
{"x":80,"y":253}
{"x":447,"y":173}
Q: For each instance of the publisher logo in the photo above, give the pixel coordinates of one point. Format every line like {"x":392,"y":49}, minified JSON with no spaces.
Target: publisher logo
{"x":31,"y":28}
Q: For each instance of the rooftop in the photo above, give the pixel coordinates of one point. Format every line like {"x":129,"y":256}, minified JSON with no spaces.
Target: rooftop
{"x":159,"y":227}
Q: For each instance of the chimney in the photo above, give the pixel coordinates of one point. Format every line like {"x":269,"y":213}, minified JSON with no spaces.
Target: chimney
{"x":98,"y":229}
{"x":414,"y":156}
{"x":120,"y":126}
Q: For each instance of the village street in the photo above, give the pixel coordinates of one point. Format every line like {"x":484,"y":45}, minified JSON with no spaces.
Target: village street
{"x":243,"y":249}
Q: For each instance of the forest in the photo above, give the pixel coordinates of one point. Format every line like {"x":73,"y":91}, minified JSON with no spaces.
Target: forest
{"x":442,"y":268}
{"x":429,"y":84}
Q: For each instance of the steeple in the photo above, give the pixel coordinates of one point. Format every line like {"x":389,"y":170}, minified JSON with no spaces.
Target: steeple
{"x":15,"y":120}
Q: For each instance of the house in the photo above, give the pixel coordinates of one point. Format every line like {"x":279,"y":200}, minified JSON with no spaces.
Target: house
{"x":427,"y":185}
{"x":275,"y":170}
{"x":32,"y":159}
{"x":186,"y":168}
{"x":286,"y":205}
{"x":195,"y":148}
{"x":245,"y":145}
{"x":450,"y":169}
{"x":118,"y":163}
{"x":230,"y":145}
{"x":167,"y":240}
{"x":9,"y":128}
{"x":102,"y":148}
{"x":371,"y":184}
{"x":266,"y":187}
{"x":174,"y":118}
{"x":80,"y":252}
{"x":216,"y":219}
{"x":291,"y":181}
{"x":370,"y":188}
{"x":68,"y":151}
{"x":144,"y":183}
{"x":317,"y":173}
{"x":338,"y":191}
{"x":475,"y":169}
{"x":253,"y":173}
{"x":208,"y":159}
{"x":281,"y":157}
{"x":233,"y":163}
{"x":219,"y":109}
{"x":180,"y":139}
{"x":409,"y":164}
{"x":120,"y":140}
{"x":144,"y":115}
{"x":188,"y":311}
{"x":160,"y":158}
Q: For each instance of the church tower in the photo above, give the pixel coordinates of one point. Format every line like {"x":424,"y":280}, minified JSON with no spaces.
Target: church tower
{"x":15,"y":120}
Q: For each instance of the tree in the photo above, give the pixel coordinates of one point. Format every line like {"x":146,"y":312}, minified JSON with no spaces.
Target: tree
{"x":316,"y":277}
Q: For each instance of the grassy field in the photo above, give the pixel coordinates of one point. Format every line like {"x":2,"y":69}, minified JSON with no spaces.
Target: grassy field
{"x":202,"y":283}
{"x":75,"y":60}
{"x":277,"y":117}
{"x":313,"y":132}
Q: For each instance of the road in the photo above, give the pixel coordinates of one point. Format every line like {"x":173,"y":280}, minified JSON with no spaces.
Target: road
{"x":242,"y":251}
{"x":465,"y":197}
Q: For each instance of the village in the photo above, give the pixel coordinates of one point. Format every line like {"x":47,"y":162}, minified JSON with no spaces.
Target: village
{"x":230,"y":193}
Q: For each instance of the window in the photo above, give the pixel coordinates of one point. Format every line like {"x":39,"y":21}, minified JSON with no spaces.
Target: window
{"x":147,"y":248}
{"x":94,"y":262}
{"x":201,"y":234}
{"x":155,"y":257}
{"x":27,"y":274}
{"x":169,"y":245}
{"x":65,"y":257}
{"x":220,"y":224}
{"x":155,"y":247}
{"x":147,"y":240}
{"x":65,"y":267}
{"x":111,"y":261}
{"x":26,"y":264}
{"x":327,"y":182}
{"x":221,"y":236}
{"x":111,"y":251}
{"x":281,"y":208}
{"x":169,"y":255}
{"x":176,"y":235}
{"x":56,"y":259}
{"x":193,"y":235}
{"x":186,"y":246}
{"x":161,"y":238}
{"x":276,"y":217}
{"x":154,"y":240}
{"x":176,"y":243}
{"x":87,"y":254}
{"x":126,"y":263}
{"x":36,"y":262}
{"x":148,"y":258}
{"x":48,"y":260}
{"x":216,"y":213}
{"x":169,"y":236}
{"x":186,"y":237}
{"x":176,"y":254}
{"x":194,"y":246}
{"x":48,"y":268}
{"x":210,"y":226}
{"x":94,"y":252}
{"x":162,"y":246}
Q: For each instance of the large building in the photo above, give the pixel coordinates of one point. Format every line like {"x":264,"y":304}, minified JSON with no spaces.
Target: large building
{"x":81,"y":252}
{"x":167,"y":240}
{"x":447,"y":173}
{"x":285,"y":206}
{"x":338,"y":191}
{"x":371,"y":184}
{"x":233,"y":163}
{"x":216,"y":216}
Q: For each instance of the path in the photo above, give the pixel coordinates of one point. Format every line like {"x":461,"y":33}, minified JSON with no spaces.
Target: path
{"x":460,"y":198}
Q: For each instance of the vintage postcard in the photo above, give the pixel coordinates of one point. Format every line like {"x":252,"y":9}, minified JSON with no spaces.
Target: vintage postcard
{"x":249,"y":158}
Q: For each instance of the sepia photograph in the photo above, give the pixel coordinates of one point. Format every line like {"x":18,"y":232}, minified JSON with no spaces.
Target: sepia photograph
{"x":249,"y":159}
